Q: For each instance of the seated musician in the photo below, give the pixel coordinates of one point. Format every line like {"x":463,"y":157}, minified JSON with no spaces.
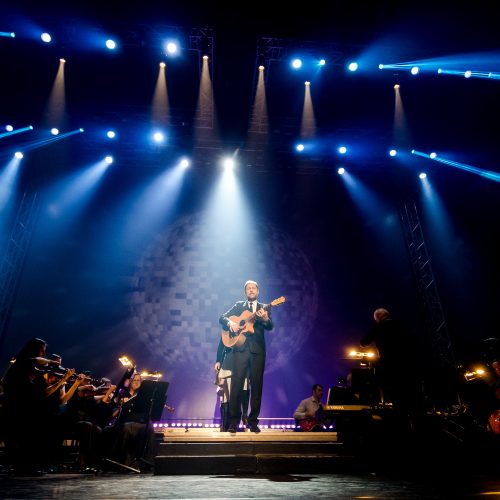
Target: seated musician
{"x":131,"y":436}
{"x":88,"y":413}
{"x":309,"y":412}
{"x":55,"y":408}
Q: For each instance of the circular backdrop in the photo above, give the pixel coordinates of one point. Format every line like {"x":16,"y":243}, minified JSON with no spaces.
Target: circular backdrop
{"x":189,"y":276}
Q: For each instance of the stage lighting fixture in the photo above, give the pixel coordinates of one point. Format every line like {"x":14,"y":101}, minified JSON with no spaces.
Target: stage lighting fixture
{"x":297,"y":63}
{"x":46,"y":37}
{"x":9,"y":128}
{"x":108,"y":160}
{"x":322,"y":62}
{"x":9,"y":34}
{"x":158,"y":137}
{"x":111,"y":134}
{"x":415,"y":70}
{"x":396,"y":86}
{"x":228,"y":163}
{"x":62,"y":60}
{"x":380,"y":66}
{"x":171,"y":48}
{"x":18,"y":155}
{"x":341,"y":171}
{"x":261,"y":68}
{"x":342,"y":150}
{"x":184,"y":163}
{"x":353,"y":66}
{"x":422,"y":175}
{"x":162,"y":64}
{"x":307,"y":83}
{"x":299,"y":147}
{"x":393,"y":152}
{"x":110,"y":44}
{"x":468,"y":74}
{"x":54,"y":131}
{"x":432,"y":155}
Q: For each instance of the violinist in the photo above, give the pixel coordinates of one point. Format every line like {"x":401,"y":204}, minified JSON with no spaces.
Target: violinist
{"x":131,"y":429}
{"x":88,"y":413}
{"x":25,"y":394}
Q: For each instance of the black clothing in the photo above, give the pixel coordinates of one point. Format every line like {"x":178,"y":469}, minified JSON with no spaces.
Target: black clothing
{"x":132,"y":437}
{"x":25,"y":414}
{"x":391,"y":338}
{"x":396,"y":370}
{"x":249,"y":360}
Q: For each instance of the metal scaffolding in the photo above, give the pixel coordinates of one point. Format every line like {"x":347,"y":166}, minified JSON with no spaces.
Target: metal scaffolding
{"x":444,"y":364}
{"x":12,"y":263}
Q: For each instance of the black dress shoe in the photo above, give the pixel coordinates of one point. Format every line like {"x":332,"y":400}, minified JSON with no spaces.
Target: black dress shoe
{"x":232,"y":429}
{"x":254,"y":428}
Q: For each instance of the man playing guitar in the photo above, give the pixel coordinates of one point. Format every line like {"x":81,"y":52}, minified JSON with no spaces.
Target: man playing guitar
{"x":308,"y":413}
{"x":249,"y":357}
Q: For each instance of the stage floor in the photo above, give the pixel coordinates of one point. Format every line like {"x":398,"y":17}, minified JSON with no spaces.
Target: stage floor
{"x":303,"y":486}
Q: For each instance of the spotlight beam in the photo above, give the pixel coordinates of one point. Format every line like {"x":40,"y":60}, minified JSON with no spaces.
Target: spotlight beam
{"x":488,"y":174}
{"x":46,"y":142}
{"x":17,"y":131}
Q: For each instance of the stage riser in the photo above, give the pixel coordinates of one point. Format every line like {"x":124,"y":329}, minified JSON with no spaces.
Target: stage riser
{"x":245,"y":448}
{"x":197,"y":451}
{"x":253,"y":464}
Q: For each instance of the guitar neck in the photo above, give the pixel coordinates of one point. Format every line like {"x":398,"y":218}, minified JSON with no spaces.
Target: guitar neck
{"x":252,"y":317}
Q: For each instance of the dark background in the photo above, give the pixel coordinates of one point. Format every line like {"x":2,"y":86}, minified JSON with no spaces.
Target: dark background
{"x":77,"y":280}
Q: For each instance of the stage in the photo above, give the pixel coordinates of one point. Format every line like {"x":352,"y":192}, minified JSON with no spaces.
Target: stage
{"x":201,"y":463}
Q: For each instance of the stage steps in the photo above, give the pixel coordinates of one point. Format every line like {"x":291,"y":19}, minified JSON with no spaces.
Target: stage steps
{"x":209,"y":451}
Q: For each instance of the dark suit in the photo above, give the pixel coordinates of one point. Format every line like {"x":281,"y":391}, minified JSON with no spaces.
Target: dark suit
{"x":248,"y":358}
{"x":397,"y":370}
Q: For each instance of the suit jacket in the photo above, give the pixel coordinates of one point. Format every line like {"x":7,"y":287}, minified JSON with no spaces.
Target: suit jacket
{"x":255,"y":342}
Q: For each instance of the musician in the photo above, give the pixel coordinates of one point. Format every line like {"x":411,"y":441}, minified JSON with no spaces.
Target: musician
{"x":223,"y":368}
{"x":396,"y":370}
{"x":308,"y":413}
{"x":55,"y":406}
{"x":131,"y":435}
{"x":249,"y":357}
{"x":25,"y":395}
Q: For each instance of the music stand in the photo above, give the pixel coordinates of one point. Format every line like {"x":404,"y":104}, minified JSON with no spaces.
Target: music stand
{"x":148,"y":407}
{"x":151,"y":398}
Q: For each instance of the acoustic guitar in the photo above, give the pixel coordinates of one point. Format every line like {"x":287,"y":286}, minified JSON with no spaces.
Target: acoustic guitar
{"x":245,"y":321}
